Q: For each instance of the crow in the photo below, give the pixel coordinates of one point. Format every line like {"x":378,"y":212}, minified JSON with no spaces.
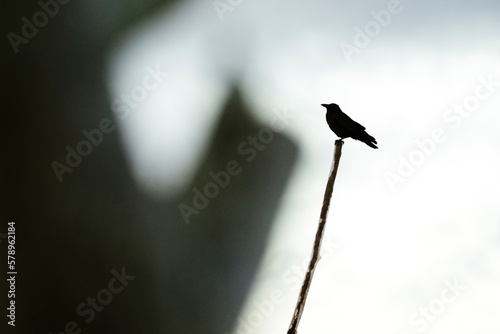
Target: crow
{"x":344,"y":127}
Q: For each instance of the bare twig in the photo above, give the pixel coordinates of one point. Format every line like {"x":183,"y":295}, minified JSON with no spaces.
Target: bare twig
{"x":301,"y":302}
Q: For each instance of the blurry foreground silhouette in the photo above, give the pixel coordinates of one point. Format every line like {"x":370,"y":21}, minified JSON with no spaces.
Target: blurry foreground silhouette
{"x":93,"y":253}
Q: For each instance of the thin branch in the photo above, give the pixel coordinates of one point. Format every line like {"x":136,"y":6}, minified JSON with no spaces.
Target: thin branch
{"x":301,"y":302}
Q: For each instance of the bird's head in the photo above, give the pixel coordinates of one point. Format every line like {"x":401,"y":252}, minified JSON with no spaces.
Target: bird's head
{"x":331,"y":106}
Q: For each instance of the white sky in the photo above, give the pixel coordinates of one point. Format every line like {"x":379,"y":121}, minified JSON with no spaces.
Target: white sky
{"x":394,"y":248}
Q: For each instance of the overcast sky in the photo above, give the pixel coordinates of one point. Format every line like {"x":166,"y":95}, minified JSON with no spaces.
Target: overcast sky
{"x":412,"y":243}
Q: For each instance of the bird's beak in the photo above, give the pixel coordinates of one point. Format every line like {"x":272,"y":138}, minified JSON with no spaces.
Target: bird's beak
{"x":325,"y":105}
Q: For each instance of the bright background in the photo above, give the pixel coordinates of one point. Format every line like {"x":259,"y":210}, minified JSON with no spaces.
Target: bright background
{"x":388,"y":249}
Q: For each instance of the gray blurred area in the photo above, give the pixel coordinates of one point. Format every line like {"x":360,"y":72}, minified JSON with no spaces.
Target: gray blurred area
{"x":75,"y":236}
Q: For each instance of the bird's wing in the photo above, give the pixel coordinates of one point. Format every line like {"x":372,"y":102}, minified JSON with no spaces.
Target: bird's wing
{"x":352,"y":123}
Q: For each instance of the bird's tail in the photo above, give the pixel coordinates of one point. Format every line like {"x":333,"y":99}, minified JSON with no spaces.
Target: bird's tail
{"x":371,"y":144}
{"x":370,"y":141}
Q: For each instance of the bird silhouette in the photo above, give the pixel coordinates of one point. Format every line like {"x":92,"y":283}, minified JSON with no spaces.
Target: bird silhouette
{"x":344,"y":127}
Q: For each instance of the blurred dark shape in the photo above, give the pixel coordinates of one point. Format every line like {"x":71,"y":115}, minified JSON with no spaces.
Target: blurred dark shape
{"x":344,"y":127}
{"x":74,"y":237}
{"x":222,"y":245}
